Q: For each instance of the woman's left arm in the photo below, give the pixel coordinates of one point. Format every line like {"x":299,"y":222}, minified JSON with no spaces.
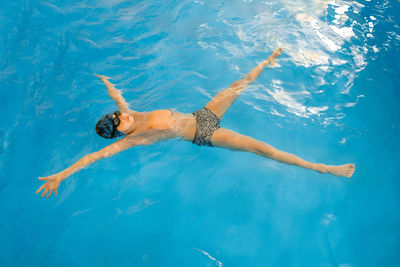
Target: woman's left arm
{"x":115,"y":94}
{"x":53,"y":181}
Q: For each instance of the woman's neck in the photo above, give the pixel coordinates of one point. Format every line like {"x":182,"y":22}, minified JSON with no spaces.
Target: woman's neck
{"x":139,"y":119}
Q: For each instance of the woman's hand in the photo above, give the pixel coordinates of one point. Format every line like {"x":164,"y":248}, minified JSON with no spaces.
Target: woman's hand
{"x":52,"y":183}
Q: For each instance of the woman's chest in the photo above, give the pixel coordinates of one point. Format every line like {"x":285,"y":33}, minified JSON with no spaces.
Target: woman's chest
{"x":160,"y":120}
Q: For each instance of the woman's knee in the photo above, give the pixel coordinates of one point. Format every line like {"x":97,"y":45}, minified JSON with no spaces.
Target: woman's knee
{"x":264,"y":149}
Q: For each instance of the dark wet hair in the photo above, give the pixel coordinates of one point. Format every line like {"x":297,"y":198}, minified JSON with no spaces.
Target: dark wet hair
{"x":106,"y":128}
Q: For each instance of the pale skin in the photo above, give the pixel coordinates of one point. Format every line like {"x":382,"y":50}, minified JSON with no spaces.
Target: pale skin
{"x":145,"y":128}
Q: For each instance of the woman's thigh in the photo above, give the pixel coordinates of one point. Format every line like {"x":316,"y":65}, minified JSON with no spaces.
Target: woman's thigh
{"x":232,"y":140}
{"x":221,"y":102}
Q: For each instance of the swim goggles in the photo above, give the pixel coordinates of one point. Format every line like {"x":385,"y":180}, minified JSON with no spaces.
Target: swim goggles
{"x":116,"y":120}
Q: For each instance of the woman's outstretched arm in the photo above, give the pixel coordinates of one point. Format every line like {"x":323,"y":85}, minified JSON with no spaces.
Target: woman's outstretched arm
{"x":115,"y":94}
{"x":53,"y":181}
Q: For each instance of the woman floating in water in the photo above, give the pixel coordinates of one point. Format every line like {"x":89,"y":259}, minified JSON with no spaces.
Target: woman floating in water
{"x":201,"y":127}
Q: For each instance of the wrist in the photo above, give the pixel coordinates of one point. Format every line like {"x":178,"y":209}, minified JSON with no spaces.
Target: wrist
{"x":62,"y":176}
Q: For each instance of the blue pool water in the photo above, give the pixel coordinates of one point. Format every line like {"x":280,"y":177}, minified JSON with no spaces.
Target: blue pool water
{"x":332,"y":98}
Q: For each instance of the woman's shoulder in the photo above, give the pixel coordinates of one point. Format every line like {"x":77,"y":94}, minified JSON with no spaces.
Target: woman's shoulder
{"x":160,"y":119}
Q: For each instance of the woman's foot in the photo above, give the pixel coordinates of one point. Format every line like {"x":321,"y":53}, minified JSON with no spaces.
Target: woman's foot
{"x":275,"y":54}
{"x":345,"y":170}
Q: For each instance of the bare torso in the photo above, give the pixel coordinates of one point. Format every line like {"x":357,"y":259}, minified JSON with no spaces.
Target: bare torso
{"x":164,"y":124}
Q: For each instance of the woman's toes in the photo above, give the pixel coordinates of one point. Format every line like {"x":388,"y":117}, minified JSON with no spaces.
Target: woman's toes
{"x":351,"y":170}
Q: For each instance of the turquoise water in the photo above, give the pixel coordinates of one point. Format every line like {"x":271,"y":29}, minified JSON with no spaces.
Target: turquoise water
{"x":332,"y":98}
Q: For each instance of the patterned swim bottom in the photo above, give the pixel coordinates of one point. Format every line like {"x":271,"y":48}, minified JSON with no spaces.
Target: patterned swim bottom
{"x":207,"y":124}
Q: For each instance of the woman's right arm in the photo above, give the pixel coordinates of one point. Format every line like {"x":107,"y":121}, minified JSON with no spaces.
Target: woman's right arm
{"x":53,"y":181}
{"x":115,"y":94}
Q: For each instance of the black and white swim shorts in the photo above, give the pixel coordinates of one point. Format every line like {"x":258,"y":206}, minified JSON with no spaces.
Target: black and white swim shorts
{"x":207,"y":124}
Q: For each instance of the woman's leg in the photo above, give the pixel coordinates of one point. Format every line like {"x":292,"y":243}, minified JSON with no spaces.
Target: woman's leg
{"x":224,"y":99}
{"x":229,"y":139}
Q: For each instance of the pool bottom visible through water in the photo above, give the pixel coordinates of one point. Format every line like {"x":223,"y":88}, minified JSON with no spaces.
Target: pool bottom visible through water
{"x":331,"y":98}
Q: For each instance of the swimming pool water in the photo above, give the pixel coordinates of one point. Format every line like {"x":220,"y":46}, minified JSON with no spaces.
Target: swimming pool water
{"x":332,"y":98}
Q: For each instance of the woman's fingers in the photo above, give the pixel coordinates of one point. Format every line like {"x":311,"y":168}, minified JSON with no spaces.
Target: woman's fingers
{"x":50,"y":186}
{"x":40,"y":189}
{"x":44,"y":192}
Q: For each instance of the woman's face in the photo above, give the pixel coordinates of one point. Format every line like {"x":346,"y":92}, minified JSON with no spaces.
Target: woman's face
{"x":126,"y":123}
